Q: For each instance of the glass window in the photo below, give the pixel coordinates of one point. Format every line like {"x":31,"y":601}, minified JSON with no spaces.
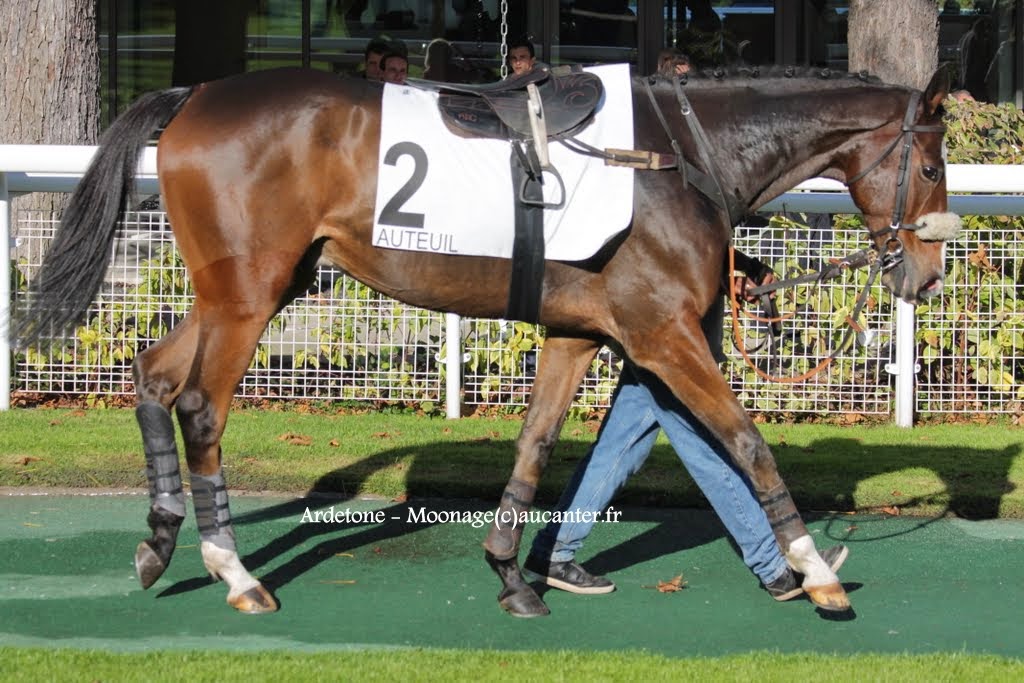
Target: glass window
{"x":713,"y":32}
{"x":596,"y":31}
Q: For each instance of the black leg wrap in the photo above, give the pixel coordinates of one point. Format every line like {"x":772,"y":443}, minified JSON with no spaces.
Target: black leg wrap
{"x":503,"y":539}
{"x":163,"y":471}
{"x":213,"y":516}
{"x":782,"y":515}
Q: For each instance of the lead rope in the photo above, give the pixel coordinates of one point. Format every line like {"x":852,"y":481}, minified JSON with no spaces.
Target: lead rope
{"x":851,"y":320}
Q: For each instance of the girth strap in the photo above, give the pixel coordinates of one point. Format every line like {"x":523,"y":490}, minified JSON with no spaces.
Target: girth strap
{"x":527,"y":279}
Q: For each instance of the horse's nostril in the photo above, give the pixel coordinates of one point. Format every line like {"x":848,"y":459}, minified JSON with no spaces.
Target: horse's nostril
{"x":932,"y":288}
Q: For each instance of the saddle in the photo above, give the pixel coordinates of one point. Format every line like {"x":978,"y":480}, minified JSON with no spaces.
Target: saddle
{"x":568,"y":98}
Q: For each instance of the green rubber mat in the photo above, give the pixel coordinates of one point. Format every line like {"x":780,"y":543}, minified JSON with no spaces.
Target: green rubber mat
{"x":416,"y":578}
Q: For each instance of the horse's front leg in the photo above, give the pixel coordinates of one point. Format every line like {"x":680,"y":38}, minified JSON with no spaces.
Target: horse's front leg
{"x":562,"y":366}
{"x":682,"y":360}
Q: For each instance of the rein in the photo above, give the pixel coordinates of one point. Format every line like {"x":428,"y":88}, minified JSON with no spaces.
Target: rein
{"x":855,"y":260}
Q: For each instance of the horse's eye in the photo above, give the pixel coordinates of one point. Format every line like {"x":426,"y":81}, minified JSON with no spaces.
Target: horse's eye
{"x":931,"y":173}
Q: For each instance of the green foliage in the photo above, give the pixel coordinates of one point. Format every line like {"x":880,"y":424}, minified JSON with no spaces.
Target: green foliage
{"x":980,"y":133}
{"x":369,"y":355}
{"x":974,"y":335}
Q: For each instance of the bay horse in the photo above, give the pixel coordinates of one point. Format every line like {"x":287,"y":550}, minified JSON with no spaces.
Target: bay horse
{"x":264,"y":173}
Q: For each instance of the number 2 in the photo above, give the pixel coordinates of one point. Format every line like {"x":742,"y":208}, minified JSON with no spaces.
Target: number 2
{"x":391,"y":213}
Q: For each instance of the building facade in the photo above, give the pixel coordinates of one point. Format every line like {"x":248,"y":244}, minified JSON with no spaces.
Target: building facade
{"x":150,"y":44}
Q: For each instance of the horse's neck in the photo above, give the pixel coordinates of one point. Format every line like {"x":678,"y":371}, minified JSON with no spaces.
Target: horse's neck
{"x":776,"y":142}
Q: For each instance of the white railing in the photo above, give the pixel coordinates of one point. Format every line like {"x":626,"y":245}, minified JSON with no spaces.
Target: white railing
{"x":29,"y":168}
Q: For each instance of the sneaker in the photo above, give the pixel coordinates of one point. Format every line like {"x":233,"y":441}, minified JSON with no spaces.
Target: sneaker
{"x":567,"y":576}
{"x":788,"y":586}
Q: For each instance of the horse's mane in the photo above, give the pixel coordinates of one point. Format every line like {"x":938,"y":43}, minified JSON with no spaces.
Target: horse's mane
{"x":711,"y":77}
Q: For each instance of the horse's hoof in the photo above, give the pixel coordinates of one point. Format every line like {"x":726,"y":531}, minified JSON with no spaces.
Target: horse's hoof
{"x":256,"y":600}
{"x":523,"y":602}
{"x":148,"y":565}
{"x":829,"y":597}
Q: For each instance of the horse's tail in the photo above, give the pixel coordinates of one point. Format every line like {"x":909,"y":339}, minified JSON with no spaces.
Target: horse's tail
{"x":79,"y":254}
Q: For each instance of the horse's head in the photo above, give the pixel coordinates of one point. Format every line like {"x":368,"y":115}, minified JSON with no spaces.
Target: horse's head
{"x":898,"y":180}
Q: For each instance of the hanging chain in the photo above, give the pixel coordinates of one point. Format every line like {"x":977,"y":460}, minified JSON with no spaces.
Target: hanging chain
{"x":504,"y":39}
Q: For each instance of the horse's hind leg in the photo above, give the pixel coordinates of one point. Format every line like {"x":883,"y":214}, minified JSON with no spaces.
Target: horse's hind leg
{"x":230,"y":328}
{"x":562,"y":366}
{"x":159,"y":374}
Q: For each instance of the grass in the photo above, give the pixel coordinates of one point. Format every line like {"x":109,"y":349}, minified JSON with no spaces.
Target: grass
{"x":967,"y":469}
{"x":482,"y":665}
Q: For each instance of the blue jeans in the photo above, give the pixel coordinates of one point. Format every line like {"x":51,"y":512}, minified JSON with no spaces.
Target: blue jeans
{"x":640,"y":406}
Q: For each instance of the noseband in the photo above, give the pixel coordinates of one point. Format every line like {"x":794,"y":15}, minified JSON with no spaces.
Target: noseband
{"x":894,"y":245}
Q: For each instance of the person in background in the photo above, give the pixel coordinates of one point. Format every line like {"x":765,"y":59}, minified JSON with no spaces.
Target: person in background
{"x":375,"y":49}
{"x":521,"y":57}
{"x":672,"y":62}
{"x":962,"y":96}
{"x":394,"y":68}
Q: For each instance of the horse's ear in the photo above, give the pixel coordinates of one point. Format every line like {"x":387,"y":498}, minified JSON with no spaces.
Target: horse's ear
{"x":937,"y":89}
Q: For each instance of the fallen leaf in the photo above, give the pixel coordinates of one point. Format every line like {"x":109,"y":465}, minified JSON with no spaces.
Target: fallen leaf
{"x":676,"y":584}
{"x":577,"y":432}
{"x":26,"y":460}
{"x":333,"y":443}
{"x":55,"y":423}
{"x":891,"y":510}
{"x":400,"y":498}
{"x":296,"y":439}
{"x":782,"y":440}
{"x":852,"y":527}
{"x":344,"y":555}
{"x":377,"y":550}
{"x":30,"y":524}
{"x":446,"y":430}
{"x":339,"y":582}
{"x":896,"y":492}
{"x":381,"y":435}
{"x":77,"y":413}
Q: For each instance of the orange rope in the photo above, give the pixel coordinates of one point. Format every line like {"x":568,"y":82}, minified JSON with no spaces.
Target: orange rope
{"x":738,"y":337}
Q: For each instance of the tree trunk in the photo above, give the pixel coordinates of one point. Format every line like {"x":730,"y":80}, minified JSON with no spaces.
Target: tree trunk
{"x":896,"y":40}
{"x":49,"y":79}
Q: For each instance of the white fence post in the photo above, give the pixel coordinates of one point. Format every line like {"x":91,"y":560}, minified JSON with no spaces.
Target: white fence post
{"x":453,"y":366}
{"x":905,"y":368}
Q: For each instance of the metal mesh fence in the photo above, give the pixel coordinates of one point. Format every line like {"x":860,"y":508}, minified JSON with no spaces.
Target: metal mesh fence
{"x":343,"y":341}
{"x":971,"y":343}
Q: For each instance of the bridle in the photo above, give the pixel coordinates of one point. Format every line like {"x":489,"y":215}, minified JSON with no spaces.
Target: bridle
{"x":877,"y":262}
{"x":893,"y":244}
